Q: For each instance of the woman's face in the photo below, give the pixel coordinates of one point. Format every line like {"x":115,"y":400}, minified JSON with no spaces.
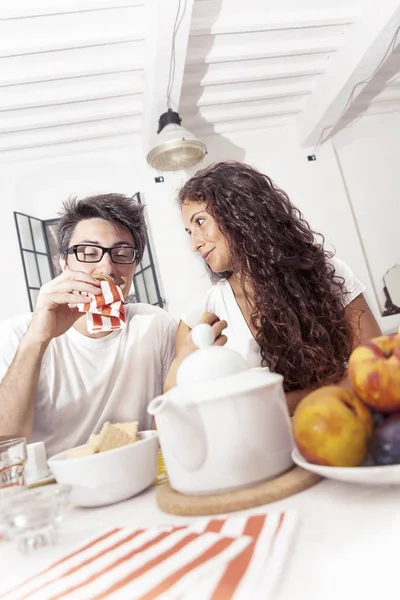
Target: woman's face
{"x":206,"y":237}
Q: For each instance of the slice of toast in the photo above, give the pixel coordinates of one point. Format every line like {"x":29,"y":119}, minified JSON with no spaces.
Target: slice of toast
{"x":93,"y":442}
{"x":112,"y":437}
{"x":130,"y":428}
{"x":80,"y":452}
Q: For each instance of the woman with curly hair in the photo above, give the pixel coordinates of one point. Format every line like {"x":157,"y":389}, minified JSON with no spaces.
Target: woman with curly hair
{"x":284,"y":302}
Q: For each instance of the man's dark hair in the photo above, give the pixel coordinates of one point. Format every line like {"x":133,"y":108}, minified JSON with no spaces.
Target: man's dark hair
{"x":114,"y":208}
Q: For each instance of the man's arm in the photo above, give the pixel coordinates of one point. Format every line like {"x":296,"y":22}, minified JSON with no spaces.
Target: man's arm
{"x":18,"y":389}
{"x":54,"y":314}
{"x":364,"y":326}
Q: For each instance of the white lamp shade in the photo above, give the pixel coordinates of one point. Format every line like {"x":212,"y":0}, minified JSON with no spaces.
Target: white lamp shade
{"x":175,"y":148}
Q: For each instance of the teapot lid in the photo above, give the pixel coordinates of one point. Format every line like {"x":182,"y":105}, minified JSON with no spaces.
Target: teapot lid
{"x":208,"y":362}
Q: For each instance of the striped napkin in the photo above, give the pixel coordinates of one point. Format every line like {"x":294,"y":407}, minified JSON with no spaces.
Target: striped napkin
{"x":106,"y":311}
{"x":213,"y":559}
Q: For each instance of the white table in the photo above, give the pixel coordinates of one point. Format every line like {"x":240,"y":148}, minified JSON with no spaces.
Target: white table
{"x":347,"y":545}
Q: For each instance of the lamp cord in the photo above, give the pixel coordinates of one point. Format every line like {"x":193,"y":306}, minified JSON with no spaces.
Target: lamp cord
{"x":177,"y":24}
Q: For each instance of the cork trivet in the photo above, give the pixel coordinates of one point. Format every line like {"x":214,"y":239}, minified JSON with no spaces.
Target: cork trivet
{"x":293,"y":481}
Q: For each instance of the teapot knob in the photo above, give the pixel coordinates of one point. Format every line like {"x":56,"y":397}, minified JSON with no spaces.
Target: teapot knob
{"x":203,"y":335}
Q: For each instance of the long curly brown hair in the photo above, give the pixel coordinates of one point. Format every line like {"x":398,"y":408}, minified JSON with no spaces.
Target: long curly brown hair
{"x":297,"y":299}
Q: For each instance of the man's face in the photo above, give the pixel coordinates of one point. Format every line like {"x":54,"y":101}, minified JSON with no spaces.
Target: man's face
{"x":105,"y":234}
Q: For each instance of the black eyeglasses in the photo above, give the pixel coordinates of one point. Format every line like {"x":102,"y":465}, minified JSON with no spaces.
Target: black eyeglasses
{"x":87,"y":253}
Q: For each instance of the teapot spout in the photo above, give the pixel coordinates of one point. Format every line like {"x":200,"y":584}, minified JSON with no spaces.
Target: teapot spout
{"x":180,"y":430}
{"x":156,"y":406}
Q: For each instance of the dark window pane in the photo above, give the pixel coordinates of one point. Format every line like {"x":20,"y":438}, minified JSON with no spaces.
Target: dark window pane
{"x":131,"y":297}
{"x":31,"y":269}
{"x":33,"y":296}
{"x":150,"y":285}
{"x":25,"y":232}
{"x":51,"y":233}
{"x":140,"y":288}
{"x":44,"y":268}
{"x":145,"y":262}
{"x":38,"y":237}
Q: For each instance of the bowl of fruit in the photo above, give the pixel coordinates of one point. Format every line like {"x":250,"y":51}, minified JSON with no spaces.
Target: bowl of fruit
{"x":353,"y":434}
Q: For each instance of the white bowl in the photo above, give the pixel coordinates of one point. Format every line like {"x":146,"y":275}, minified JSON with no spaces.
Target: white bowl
{"x":111,"y":476}
{"x":374,"y":475}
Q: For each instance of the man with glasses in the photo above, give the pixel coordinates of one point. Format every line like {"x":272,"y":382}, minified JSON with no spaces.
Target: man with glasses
{"x":59,"y":383}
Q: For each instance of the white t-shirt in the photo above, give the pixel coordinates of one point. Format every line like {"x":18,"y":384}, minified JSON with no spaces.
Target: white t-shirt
{"x":86,"y":381}
{"x":219,"y":299}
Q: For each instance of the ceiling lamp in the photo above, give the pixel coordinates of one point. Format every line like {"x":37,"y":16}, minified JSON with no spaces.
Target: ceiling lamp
{"x":175,"y":147}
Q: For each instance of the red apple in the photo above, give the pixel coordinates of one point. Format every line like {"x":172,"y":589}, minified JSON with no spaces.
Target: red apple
{"x":374,"y":372}
{"x":331,"y":426}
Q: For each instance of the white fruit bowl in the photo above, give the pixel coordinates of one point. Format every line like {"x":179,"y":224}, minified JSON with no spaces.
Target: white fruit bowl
{"x":374,"y":475}
{"x":111,"y":476}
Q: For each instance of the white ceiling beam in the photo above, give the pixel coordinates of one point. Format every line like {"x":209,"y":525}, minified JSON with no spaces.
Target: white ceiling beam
{"x":389,"y":94}
{"x":259,"y":70}
{"x":36,"y":119}
{"x":251,"y":51}
{"x":57,"y":45}
{"x":376,"y":108}
{"x":95,"y":60}
{"x":367,"y":43}
{"x":249,"y":93}
{"x":69,"y":133}
{"x":28,"y":9}
{"x":46,"y":76}
{"x":258,"y":123}
{"x":249,"y":110}
{"x":73,"y":91}
{"x":89,"y":143}
{"x":161,"y":17}
{"x":242,"y":22}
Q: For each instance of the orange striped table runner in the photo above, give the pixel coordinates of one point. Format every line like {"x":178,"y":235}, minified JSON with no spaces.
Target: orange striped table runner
{"x":212,"y":559}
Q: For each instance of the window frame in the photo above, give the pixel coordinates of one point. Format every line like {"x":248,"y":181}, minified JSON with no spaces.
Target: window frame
{"x":35,"y":252}
{"x":140,"y":270}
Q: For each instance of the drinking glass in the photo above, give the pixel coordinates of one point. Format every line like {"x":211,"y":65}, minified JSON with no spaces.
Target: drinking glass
{"x":61,"y":493}
{"x":6,"y":495}
{"x":13,"y":457}
{"x":12,"y":462}
{"x":31,"y":518}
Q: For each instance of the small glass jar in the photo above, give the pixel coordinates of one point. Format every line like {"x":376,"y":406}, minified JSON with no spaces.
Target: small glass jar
{"x":33,"y":517}
{"x":7,"y":495}
{"x":12,"y":462}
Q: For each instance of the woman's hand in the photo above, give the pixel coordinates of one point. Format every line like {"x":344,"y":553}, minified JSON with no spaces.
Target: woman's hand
{"x":184,"y":344}
{"x":187,"y":345}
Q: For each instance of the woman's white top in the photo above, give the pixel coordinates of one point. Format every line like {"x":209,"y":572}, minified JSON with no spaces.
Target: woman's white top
{"x":219,"y":299}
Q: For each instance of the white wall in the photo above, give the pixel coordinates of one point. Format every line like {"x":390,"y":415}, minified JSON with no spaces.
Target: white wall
{"x":368,"y":153}
{"x":38,"y":187}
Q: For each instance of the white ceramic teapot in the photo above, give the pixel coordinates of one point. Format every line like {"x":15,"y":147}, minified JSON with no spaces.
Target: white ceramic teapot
{"x":224,"y":426}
